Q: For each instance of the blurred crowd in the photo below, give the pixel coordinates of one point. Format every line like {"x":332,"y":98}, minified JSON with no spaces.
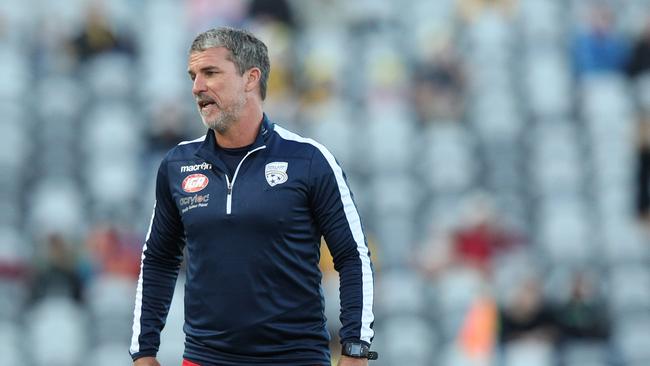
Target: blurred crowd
{"x":499,"y":152}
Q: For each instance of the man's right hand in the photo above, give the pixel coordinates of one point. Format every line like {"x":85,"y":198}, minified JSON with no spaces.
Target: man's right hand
{"x":146,"y":361}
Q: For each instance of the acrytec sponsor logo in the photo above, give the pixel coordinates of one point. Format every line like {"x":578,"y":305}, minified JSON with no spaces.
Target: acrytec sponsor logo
{"x":195,"y":167}
{"x":192,"y":202}
{"x":194,"y":183}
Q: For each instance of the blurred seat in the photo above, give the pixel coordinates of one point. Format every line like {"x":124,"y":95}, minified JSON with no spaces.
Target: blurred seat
{"x":623,"y":242}
{"x":614,"y":203}
{"x":70,"y":15}
{"x":11,"y":344}
{"x":629,"y":286}
{"x":14,"y":75}
{"x":564,"y":231}
{"x":57,"y":332}
{"x":502,"y":172}
{"x":528,"y":353}
{"x":112,"y":187}
{"x":389,"y":140}
{"x":491,"y":39}
{"x":447,"y":160}
{"x":547,"y":83}
{"x":408,"y":340}
{"x":15,"y":144}
{"x":109,"y":77}
{"x":426,"y":19}
{"x":631,"y":339}
{"x":55,"y":206}
{"x":400,"y":291}
{"x":112,"y":132}
{"x":395,"y":238}
{"x":163,"y":64}
{"x":585,"y":353}
{"x":604,"y":97}
{"x":110,"y":301}
{"x":17,"y":14}
{"x":555,"y":159}
{"x":395,"y":195}
{"x":538,"y":22}
{"x":109,"y":354}
{"x":455,"y":290}
{"x":496,"y":117}
{"x":60,"y":96}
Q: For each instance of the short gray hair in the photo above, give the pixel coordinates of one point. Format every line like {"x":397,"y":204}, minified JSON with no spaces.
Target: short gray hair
{"x":246,"y":50}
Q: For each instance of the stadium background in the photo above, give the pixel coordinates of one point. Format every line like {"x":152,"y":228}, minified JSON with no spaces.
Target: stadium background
{"x":498,"y":150}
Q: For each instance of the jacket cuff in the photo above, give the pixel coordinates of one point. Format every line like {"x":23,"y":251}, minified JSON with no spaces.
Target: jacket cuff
{"x":356,"y":340}
{"x":135,"y":356}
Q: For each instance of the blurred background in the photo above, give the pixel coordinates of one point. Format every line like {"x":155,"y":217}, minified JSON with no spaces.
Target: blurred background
{"x":499,"y":152}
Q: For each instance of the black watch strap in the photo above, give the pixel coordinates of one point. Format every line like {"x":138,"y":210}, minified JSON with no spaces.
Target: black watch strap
{"x":358,"y":350}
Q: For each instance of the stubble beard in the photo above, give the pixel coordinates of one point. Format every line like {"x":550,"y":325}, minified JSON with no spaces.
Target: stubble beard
{"x":225,"y":118}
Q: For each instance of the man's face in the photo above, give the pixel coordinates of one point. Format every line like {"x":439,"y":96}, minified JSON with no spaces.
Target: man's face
{"x":217,"y":87}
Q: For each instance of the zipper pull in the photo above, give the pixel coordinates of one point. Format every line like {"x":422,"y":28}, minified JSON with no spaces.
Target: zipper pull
{"x":229,"y":195}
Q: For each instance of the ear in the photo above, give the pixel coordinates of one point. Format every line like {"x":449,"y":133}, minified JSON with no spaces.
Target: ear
{"x":252,"y":77}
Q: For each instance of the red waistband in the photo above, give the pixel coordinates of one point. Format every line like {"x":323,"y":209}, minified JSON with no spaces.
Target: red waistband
{"x":189,"y":363}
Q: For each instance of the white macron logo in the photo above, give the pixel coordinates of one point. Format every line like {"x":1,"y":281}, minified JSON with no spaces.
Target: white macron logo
{"x":276,"y":172}
{"x":195,"y":167}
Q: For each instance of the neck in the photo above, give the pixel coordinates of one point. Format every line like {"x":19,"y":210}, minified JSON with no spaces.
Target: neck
{"x":244,"y":131}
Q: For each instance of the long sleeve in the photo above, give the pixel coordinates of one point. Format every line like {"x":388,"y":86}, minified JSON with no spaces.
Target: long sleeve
{"x":339,"y":222}
{"x":161,"y":258}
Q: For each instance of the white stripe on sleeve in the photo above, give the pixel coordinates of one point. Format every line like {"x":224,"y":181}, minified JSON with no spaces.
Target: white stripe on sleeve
{"x":135,"y":345}
{"x":354,"y":222}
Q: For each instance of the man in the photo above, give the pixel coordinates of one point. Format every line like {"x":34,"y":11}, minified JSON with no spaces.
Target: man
{"x":250,"y":201}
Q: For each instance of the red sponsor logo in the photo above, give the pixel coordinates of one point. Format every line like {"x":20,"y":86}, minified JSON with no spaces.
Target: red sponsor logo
{"x":194,"y":183}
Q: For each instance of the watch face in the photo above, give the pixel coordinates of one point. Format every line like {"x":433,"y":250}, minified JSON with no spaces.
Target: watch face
{"x":355,"y":349}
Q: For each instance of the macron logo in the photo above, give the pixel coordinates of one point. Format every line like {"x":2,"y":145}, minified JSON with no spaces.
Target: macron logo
{"x":195,"y":167}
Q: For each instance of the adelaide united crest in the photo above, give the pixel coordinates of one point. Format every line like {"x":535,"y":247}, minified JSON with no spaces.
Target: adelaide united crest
{"x":276,"y":172}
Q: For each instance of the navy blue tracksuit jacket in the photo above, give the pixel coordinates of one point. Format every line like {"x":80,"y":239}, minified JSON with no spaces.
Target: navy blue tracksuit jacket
{"x":252,"y":294}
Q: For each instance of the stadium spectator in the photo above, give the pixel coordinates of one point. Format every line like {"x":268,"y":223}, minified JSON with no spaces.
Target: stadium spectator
{"x":637,"y":70}
{"x":114,"y":251}
{"x":599,"y":47}
{"x":470,"y":10}
{"x":526,"y":315}
{"x":475,"y":242}
{"x":277,"y":10}
{"x":643,"y":169}
{"x":97,"y":36}
{"x":584,"y":317}
{"x":639,"y":62}
{"x":58,"y":274}
{"x":438,"y":86}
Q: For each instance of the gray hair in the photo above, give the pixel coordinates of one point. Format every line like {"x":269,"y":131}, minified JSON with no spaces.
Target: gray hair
{"x":246,"y":50}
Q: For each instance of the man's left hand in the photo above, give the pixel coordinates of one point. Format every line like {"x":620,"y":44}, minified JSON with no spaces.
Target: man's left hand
{"x":352,"y":361}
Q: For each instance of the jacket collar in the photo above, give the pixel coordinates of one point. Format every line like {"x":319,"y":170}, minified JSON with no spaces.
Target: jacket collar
{"x":208,"y":148}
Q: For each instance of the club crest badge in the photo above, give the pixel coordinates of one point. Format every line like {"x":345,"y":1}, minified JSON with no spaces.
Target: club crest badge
{"x":276,"y":172}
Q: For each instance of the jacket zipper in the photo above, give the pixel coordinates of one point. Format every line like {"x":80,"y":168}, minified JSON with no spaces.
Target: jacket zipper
{"x":234,"y":177}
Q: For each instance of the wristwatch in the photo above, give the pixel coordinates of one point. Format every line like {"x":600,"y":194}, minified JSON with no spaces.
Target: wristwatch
{"x":358,"y":350}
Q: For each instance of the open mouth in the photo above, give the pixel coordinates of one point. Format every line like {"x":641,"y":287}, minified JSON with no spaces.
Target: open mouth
{"x":205,"y":103}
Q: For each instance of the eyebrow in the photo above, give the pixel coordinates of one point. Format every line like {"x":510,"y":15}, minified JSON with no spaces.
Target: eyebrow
{"x":204,"y":69}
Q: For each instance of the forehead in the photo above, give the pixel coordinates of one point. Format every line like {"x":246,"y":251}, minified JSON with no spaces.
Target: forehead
{"x":215,"y":56}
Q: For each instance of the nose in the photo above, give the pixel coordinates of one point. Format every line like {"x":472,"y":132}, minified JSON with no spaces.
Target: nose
{"x":198,"y":85}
